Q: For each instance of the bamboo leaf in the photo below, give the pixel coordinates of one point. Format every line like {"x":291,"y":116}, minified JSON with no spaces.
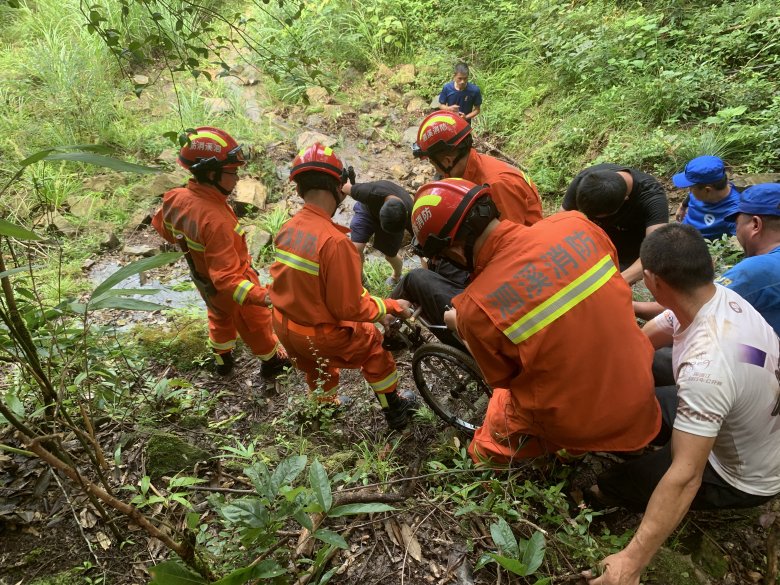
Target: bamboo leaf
{"x":125,"y":303}
{"x":101,"y":161}
{"x":352,"y":509}
{"x":16,"y":231}
{"x":132,"y":269}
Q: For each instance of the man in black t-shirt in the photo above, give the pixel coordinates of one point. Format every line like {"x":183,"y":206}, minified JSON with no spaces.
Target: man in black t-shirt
{"x":626,"y":203}
{"x":382,"y":210}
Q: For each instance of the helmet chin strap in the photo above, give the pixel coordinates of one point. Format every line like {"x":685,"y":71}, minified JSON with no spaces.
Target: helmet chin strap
{"x":449,"y":168}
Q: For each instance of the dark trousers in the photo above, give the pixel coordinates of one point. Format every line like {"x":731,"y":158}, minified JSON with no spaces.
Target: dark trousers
{"x":632,"y":483}
{"x":433,"y":291}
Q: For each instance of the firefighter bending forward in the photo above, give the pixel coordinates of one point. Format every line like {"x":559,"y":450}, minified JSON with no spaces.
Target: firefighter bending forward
{"x":198,"y":218}
{"x":549,"y":320}
{"x":322,"y":313}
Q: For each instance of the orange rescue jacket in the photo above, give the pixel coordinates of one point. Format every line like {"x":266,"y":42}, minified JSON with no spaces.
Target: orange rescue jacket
{"x":513,"y":192}
{"x":201,"y":215}
{"x":317,"y":274}
{"x":549,"y":317}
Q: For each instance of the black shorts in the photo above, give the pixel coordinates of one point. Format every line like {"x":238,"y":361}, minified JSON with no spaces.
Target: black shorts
{"x":363,"y":226}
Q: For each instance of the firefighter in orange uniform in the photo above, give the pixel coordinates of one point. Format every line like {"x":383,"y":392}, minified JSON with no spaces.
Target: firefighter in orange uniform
{"x":198,"y":218}
{"x":549,"y":320}
{"x":445,"y":139}
{"x":322,"y":313}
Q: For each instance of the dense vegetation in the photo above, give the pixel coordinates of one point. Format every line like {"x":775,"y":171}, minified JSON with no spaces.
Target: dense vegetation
{"x":647,"y":84}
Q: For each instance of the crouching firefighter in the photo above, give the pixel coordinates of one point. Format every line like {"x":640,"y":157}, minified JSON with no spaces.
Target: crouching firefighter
{"x":198,"y":218}
{"x":322,"y":313}
{"x":548,"y":318}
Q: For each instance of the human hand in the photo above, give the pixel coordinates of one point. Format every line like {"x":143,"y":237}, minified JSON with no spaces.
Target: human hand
{"x":346,"y":188}
{"x":617,"y":570}
{"x":451,"y":319}
{"x":681,"y":211}
{"x":406,"y":308}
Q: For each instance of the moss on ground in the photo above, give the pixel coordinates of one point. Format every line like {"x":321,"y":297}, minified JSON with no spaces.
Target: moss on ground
{"x":168,"y":454}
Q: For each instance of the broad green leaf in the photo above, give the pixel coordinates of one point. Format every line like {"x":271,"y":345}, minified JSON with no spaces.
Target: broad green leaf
{"x":260,"y":478}
{"x":132,"y":269}
{"x":172,"y":573}
{"x":304,"y":520}
{"x":504,"y":538}
{"x":124,"y":303}
{"x":330,"y":537}
{"x":193,"y":520}
{"x":101,"y":161}
{"x":267,"y":569}
{"x":286,"y":472}
{"x":512,"y":565}
{"x":351,"y":509}
{"x":184,"y":481}
{"x":533,"y":555}
{"x":318,"y":478}
{"x":246,"y":511}
{"x":16,"y":231}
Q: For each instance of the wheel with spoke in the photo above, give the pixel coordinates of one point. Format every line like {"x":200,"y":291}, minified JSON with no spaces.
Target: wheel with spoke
{"x":450,"y":382}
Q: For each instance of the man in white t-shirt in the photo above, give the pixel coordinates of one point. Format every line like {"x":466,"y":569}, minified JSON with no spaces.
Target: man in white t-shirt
{"x":722,"y":415}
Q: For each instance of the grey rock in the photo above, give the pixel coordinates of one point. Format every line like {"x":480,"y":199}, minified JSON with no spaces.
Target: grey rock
{"x":140,"y":80}
{"x":744,"y":181}
{"x":315,"y":121}
{"x":367,"y":107}
{"x":88,"y":264}
{"x":256,"y":240}
{"x":61,"y":226}
{"x":317,"y":95}
{"x":434,"y":105}
{"x":306,"y":139}
{"x":249,"y":192}
{"x":101,"y":183}
{"x":83,"y":206}
{"x":140,"y":250}
{"x":109,"y":241}
{"x":399,"y":172}
{"x":159,"y":184}
{"x":410,"y":135}
{"x":169,"y":155}
{"x":416,"y":104}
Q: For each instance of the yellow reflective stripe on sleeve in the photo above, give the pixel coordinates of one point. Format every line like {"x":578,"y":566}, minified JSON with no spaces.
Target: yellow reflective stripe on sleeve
{"x":364,"y":292}
{"x":383,"y":385}
{"x":239,"y":229}
{"x":242,"y":290}
{"x":293,"y":261}
{"x":222,"y":346}
{"x":562,"y":301}
{"x":191,"y":244}
{"x":380,"y":304}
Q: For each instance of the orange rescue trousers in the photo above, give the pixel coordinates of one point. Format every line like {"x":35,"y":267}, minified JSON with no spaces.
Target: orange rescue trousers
{"x":502,"y":439}
{"x":320,"y":351}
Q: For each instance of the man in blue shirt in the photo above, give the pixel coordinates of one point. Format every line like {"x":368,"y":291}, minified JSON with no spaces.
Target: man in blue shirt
{"x":757,"y":277}
{"x":459,"y":96}
{"x":711,"y":198}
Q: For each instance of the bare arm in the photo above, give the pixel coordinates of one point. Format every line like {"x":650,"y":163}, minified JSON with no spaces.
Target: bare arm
{"x":668,"y":505}
{"x":647,"y":310}
{"x":656,"y":335}
{"x":472,"y":114}
{"x":633,"y":273}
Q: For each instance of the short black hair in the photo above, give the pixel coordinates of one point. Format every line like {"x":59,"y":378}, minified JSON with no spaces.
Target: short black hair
{"x":393,"y":216}
{"x":601,"y":193}
{"x":717,"y":185}
{"x":310,"y":180}
{"x":462,"y":68}
{"x":678,"y":254}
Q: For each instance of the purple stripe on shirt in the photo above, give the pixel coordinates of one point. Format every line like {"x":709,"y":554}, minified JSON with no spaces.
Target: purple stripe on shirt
{"x":752,"y":355}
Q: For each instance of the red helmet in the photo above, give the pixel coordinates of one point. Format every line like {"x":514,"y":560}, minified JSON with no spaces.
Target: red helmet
{"x":440,"y":131}
{"x":319,"y":158}
{"x":439,"y":210}
{"x":210,"y":149}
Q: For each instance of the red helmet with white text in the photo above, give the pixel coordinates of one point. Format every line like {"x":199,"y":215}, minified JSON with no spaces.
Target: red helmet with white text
{"x":440,"y":131}
{"x":321,"y":159}
{"x":210,"y":149}
{"x":439,"y":211}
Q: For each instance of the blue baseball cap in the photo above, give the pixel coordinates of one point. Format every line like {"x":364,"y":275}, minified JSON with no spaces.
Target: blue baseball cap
{"x":700,"y":171}
{"x":763,"y":199}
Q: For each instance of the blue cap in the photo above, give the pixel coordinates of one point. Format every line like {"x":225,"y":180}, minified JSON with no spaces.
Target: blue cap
{"x":763,"y":199}
{"x":700,"y":171}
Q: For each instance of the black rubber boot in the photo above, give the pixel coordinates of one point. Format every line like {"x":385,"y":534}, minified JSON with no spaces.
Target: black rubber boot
{"x":224,"y":362}
{"x":272,"y":368}
{"x":398,"y":408}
